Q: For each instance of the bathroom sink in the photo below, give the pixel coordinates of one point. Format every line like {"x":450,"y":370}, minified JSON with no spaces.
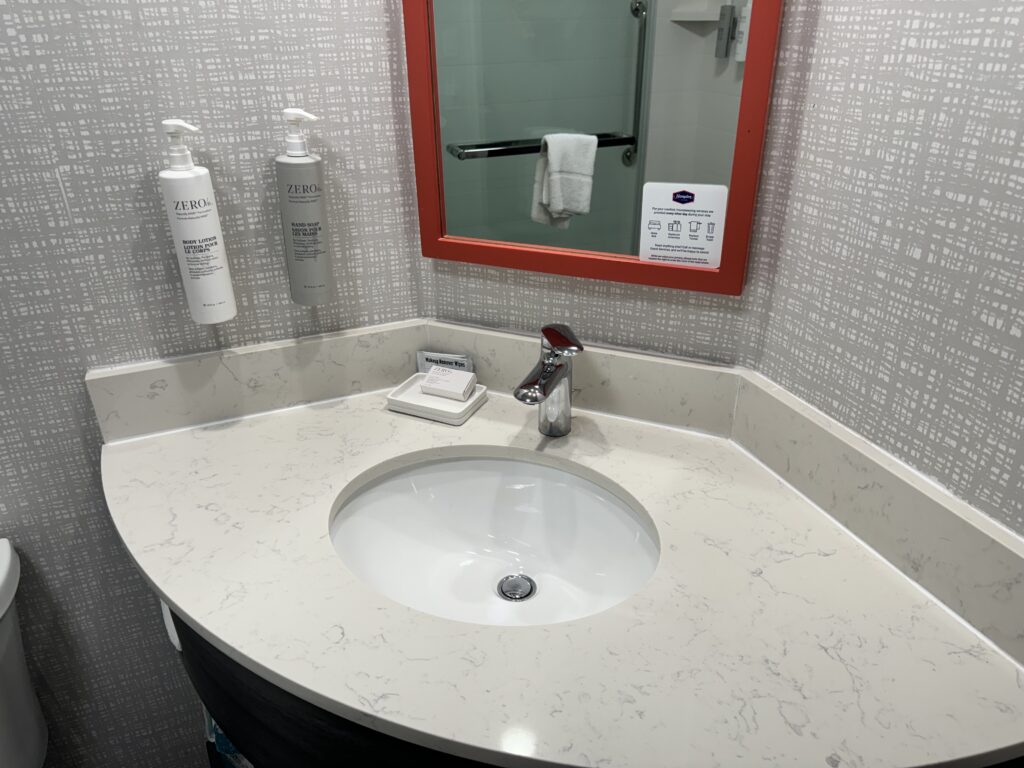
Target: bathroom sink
{"x":496,"y":540}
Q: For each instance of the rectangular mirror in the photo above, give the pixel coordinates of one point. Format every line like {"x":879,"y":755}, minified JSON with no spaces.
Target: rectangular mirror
{"x":611,"y":139}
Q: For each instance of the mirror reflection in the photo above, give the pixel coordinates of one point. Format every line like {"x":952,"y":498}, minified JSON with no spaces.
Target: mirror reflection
{"x":628,"y":94}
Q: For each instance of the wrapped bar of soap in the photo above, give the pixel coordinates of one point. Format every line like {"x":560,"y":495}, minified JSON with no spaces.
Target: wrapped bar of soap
{"x":448,"y":382}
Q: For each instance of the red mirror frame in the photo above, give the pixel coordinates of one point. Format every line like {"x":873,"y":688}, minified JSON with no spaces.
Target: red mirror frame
{"x":727,"y":279}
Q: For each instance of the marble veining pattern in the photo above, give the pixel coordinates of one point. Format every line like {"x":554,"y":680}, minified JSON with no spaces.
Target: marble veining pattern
{"x":142,"y":398}
{"x":959,"y":555}
{"x":767,"y":635}
{"x":668,"y":391}
{"x":966,"y":560}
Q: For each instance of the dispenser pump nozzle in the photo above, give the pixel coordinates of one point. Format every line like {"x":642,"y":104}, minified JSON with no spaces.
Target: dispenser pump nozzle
{"x":295,"y":139}
{"x":181,"y":158}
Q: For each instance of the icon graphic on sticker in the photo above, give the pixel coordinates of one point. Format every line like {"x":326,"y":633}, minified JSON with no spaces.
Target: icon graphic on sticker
{"x":683,"y":197}
{"x":654,"y":227}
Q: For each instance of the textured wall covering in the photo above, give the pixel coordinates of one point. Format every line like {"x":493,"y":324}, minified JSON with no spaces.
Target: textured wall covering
{"x":885,"y":287}
{"x":87,"y":277}
{"x":898,"y":300}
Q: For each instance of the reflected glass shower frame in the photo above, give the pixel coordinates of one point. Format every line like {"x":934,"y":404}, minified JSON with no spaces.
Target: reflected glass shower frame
{"x":614,"y":221}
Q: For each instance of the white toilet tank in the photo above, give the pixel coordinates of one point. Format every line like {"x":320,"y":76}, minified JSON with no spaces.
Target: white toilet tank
{"x":22,"y":728}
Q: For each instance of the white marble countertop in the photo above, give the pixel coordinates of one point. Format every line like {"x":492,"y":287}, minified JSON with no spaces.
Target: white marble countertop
{"x":767,"y":635}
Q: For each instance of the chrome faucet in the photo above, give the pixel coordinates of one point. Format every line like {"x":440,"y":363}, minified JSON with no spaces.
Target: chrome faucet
{"x":549,"y":384}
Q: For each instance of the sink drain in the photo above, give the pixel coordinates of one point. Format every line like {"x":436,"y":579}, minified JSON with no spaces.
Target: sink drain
{"x":516,"y":587}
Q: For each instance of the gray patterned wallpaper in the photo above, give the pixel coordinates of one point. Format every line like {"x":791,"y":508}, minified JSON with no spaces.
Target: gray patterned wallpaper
{"x":886,"y":282}
{"x":898,"y":294}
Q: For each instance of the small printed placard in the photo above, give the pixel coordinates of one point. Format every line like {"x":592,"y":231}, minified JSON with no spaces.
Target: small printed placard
{"x":683,"y":223}
{"x":427,"y":360}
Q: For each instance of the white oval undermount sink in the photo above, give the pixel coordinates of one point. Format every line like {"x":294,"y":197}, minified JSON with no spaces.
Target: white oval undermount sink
{"x":441,"y":534}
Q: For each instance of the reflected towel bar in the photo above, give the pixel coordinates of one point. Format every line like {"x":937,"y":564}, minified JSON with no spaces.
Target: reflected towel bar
{"x":527,"y":146}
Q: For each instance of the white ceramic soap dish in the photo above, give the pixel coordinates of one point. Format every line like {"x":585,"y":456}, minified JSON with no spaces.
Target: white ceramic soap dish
{"x":407,"y":398}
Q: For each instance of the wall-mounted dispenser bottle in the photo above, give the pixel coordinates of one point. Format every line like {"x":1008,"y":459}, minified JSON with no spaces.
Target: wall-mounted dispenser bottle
{"x":300,"y":188}
{"x":195,"y":227}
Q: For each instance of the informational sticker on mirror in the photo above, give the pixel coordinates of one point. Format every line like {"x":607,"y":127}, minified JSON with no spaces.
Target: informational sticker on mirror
{"x":683,"y":223}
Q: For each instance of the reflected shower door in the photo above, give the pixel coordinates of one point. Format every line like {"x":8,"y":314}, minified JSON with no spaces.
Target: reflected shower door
{"x":519,"y":69}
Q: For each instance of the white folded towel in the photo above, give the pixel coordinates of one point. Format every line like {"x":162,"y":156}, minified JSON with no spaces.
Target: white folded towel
{"x":564,"y":178}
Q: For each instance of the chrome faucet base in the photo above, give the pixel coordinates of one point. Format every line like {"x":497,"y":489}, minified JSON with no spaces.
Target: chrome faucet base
{"x":554,"y":415}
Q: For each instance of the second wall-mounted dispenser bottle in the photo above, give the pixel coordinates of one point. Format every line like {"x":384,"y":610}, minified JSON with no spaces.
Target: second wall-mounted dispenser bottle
{"x":300,"y":187}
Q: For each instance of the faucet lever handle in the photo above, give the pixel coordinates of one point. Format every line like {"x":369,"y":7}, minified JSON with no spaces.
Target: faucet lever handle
{"x":560,"y":339}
